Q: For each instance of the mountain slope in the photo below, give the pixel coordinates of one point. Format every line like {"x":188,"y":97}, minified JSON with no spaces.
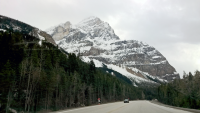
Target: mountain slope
{"x":7,"y":23}
{"x":95,"y":39}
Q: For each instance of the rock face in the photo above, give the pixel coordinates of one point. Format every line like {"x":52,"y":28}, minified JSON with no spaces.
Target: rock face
{"x":91,"y":27}
{"x":95,"y":39}
{"x":15,"y":25}
{"x":60,"y":31}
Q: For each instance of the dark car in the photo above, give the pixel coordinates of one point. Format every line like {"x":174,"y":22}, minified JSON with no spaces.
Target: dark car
{"x":126,"y":100}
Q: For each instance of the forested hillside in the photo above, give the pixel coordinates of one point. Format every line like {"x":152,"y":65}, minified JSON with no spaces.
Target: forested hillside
{"x":37,"y":76}
{"x":183,"y":92}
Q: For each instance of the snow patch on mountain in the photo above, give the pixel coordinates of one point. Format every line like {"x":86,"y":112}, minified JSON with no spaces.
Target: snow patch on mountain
{"x":122,"y":70}
{"x":96,"y":62}
{"x":3,"y":30}
{"x":41,"y":37}
{"x":156,"y":57}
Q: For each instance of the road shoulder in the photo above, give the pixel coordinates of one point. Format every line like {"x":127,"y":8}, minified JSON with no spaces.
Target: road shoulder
{"x":185,"y":109}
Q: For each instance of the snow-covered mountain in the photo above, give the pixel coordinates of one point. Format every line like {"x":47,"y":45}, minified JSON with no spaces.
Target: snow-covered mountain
{"x":94,"y":39}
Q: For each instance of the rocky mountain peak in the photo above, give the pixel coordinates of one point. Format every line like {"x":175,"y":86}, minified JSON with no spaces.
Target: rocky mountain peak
{"x":67,"y":25}
{"x":92,"y":28}
{"x":62,"y":27}
{"x":90,"y":21}
{"x":95,"y":39}
{"x":97,"y":29}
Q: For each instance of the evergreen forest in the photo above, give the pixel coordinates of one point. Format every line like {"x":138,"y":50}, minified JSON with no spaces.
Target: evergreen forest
{"x":40,"y":77}
{"x":37,"y":76}
{"x":183,"y":92}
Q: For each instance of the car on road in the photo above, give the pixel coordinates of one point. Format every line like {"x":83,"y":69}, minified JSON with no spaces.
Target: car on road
{"x":126,"y":100}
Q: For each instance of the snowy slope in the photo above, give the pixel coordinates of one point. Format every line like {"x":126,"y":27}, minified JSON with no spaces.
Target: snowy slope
{"x":123,"y":71}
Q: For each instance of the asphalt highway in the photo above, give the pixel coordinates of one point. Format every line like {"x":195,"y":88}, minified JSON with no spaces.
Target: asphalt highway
{"x":120,"y":107}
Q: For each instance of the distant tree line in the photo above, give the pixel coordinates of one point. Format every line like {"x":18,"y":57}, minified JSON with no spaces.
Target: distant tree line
{"x":183,"y":92}
{"x":36,"y":77}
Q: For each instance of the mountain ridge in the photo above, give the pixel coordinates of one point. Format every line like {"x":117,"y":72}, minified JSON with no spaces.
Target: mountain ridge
{"x":7,"y":23}
{"x":97,"y":40}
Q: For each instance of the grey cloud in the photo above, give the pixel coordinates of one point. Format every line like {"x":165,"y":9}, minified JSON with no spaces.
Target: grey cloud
{"x":163,"y":24}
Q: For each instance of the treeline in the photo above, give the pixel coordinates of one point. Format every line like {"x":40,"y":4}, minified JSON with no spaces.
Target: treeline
{"x":36,"y":77}
{"x":182,"y":93}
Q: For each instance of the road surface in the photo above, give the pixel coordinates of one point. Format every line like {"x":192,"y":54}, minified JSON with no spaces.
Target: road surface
{"x":120,"y":107}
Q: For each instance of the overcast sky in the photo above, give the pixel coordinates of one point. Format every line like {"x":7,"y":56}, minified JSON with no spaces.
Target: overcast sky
{"x":171,"y":26}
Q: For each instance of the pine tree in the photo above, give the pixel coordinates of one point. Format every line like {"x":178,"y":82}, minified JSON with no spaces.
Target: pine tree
{"x":190,"y":76}
{"x":7,"y":84}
